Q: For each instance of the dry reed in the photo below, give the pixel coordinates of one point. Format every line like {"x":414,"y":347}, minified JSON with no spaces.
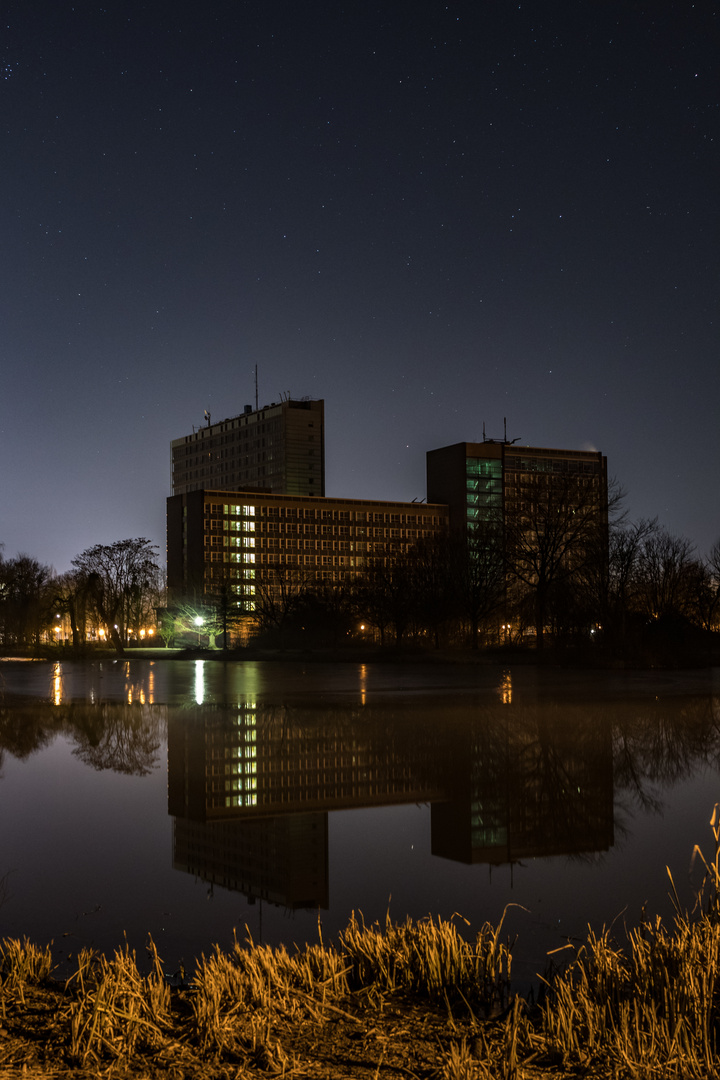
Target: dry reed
{"x":116,"y":1007}
{"x":652,"y":1008}
{"x":646,"y":1007}
{"x":430,"y":959}
{"x":22,"y":965}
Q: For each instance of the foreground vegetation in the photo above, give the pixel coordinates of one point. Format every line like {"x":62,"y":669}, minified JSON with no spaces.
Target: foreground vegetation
{"x":414,"y":1000}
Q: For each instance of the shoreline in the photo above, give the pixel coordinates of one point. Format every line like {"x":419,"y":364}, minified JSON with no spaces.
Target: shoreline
{"x":412,"y":999}
{"x":550,"y":658}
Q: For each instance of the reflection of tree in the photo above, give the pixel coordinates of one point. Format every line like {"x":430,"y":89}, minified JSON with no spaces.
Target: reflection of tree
{"x":108,"y":735}
{"x":124,"y":738}
{"x":659,"y":744}
{"x":549,"y":787}
{"x":25,"y":728}
{"x":566,"y":762}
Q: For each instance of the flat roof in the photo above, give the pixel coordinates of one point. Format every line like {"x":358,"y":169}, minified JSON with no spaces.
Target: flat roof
{"x":223,"y":495}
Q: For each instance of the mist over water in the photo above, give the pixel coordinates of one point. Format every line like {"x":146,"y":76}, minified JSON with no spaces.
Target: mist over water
{"x":190,"y":800}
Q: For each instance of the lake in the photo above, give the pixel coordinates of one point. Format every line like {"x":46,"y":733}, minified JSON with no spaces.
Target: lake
{"x":195,"y":800}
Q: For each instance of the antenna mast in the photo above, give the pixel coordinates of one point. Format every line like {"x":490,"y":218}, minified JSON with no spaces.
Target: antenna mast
{"x":256,"y":390}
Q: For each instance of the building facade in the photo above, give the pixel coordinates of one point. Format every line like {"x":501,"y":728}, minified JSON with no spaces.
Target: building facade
{"x":217,"y":537}
{"x":538,"y":519}
{"x":280,"y":448}
{"x":491,"y":481}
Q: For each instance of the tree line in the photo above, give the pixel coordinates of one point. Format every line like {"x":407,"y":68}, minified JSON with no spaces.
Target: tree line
{"x":558,"y":565}
{"x":446,"y":591}
{"x":111,"y":593}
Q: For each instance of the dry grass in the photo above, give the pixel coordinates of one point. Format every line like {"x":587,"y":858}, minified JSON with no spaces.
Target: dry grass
{"x":651,"y":1007}
{"x":430,"y":959}
{"x":116,"y":1007}
{"x":22,"y":965}
{"x":414,"y":999}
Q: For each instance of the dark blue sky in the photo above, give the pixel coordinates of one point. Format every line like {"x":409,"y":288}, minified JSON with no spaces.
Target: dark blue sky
{"x":431,"y":215}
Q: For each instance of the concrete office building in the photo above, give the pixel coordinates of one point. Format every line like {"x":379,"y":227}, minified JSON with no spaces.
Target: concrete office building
{"x":280,"y":448}
{"x":489,"y":480}
{"x":219,"y":536}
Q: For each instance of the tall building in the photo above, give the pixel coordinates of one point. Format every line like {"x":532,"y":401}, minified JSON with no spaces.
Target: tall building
{"x":490,"y":480}
{"x":279,"y":448}
{"x":547,"y":517}
{"x":219,"y":536}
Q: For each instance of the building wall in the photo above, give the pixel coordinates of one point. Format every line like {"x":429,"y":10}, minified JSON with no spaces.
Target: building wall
{"x":245,"y":532}
{"x":280,"y":448}
{"x":480,"y":481}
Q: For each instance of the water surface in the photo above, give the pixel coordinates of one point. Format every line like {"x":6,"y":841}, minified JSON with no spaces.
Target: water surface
{"x":190,"y":800}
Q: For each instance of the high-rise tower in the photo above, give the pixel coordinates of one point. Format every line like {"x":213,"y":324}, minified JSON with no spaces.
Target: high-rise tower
{"x":278,"y":448}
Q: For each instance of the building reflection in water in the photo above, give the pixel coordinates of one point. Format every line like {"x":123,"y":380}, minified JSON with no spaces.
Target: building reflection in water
{"x":510,"y":776}
{"x":250,"y":785}
{"x":536,"y":784}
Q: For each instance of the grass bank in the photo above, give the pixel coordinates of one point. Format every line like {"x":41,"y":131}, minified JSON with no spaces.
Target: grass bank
{"x":410,"y":1000}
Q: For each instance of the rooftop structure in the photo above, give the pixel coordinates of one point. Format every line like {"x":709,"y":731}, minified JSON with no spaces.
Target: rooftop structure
{"x":279,"y":448}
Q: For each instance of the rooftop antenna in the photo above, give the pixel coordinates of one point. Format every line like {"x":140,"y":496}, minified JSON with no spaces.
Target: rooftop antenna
{"x":504,"y":440}
{"x":256,"y":390}
{"x":207,"y":417}
{"x":508,"y":442}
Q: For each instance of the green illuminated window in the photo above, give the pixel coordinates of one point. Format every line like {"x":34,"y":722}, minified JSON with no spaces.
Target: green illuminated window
{"x":483,"y":485}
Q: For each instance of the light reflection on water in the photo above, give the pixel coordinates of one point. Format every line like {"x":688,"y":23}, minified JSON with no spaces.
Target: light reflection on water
{"x":199,"y":682}
{"x":134,"y":792}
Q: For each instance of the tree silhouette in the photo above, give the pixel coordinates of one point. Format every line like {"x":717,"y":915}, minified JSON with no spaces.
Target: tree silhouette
{"x":119,"y":579}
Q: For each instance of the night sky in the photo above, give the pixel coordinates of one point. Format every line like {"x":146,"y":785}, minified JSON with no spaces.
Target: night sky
{"x":432,"y":215}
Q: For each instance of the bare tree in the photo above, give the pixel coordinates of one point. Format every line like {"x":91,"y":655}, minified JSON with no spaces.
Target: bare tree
{"x":666,"y":575}
{"x":627,"y":544}
{"x":477,"y":566}
{"x":118,"y":578}
{"x":430,"y":585}
{"x":70,"y":598}
{"x":225,"y":612}
{"x":553,"y":529}
{"x":25,"y":599}
{"x":385,"y":592}
{"x":713,"y":567}
{"x":279,"y":591}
